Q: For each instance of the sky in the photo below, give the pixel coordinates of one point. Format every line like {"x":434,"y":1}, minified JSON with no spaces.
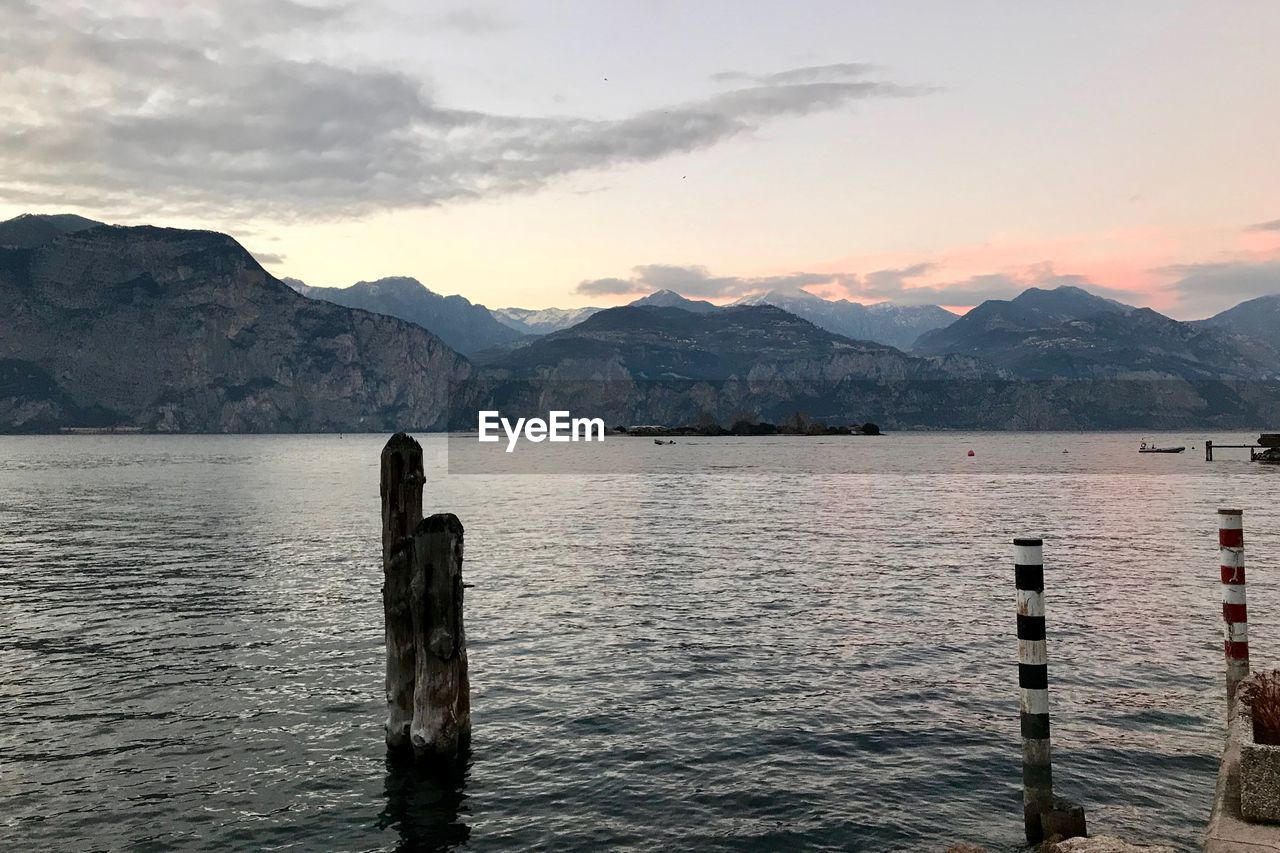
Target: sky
{"x":583,"y":153}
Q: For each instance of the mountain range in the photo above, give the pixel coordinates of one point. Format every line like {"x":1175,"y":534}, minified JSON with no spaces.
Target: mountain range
{"x":172,"y":330}
{"x":1002,"y":322}
{"x":183,"y":331}
{"x":541,"y":321}
{"x":656,"y":341}
{"x":474,"y":329}
{"x":1070,"y":333}
{"x":466,"y":327}
{"x":659,"y":362}
{"x":896,"y":325}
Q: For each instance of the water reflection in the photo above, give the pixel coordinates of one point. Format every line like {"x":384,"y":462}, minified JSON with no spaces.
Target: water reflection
{"x":426,"y":805}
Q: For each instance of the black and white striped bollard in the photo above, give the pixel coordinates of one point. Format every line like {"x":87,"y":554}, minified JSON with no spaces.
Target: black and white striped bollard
{"x":1043,"y":816}
{"x":1033,"y":685}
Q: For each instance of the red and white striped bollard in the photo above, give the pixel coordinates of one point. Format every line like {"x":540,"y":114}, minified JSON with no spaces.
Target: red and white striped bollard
{"x":1235,"y":616}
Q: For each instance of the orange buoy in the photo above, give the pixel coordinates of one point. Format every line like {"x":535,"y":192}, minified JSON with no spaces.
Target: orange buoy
{"x":971,"y":453}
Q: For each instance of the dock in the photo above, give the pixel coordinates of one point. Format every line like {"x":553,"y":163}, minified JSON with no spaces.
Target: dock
{"x":1268,"y":441}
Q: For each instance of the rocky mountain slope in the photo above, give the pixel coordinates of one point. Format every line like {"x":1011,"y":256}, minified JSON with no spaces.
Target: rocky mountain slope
{"x":885,"y":323}
{"x":648,"y":342}
{"x":1072,"y":334}
{"x":644,"y":364}
{"x":31,"y":401}
{"x":463,"y":325}
{"x":1139,"y":344}
{"x":1253,"y":325}
{"x":1258,"y":319}
{"x":652,"y":364}
{"x":182,"y":330}
{"x":1002,"y":322}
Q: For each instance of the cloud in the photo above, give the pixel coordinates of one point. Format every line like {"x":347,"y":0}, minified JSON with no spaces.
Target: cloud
{"x":1273,"y":225}
{"x":606,"y":287}
{"x":887,"y":283}
{"x":473,"y":21}
{"x":696,"y":282}
{"x":1207,"y":288}
{"x":809,"y":74}
{"x":897,"y":285}
{"x":268,"y":259}
{"x":162,"y":109}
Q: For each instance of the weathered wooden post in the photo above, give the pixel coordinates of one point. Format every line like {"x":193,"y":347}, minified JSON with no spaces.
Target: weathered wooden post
{"x":1208,"y":450}
{"x":442,"y":691}
{"x":402,"y":481}
{"x":428,"y":692}
{"x":1043,"y":815}
{"x":1235,"y":616}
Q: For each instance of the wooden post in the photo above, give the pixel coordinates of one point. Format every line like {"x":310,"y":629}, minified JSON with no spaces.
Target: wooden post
{"x":1208,"y":451}
{"x":428,"y":689}
{"x":402,"y":480}
{"x":441,"y":726}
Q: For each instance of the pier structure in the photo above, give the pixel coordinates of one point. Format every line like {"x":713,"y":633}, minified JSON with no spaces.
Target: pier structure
{"x":1267,"y":443}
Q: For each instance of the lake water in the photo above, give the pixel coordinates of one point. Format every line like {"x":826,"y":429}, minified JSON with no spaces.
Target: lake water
{"x":760,"y":644}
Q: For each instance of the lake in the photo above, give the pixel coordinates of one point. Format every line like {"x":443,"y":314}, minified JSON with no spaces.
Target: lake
{"x":739,"y":643}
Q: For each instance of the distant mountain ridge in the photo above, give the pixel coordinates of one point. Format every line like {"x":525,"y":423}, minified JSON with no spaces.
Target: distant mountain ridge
{"x":183,"y":331}
{"x":885,"y":323}
{"x":666,"y":365}
{"x":32,"y":229}
{"x":1255,"y":318}
{"x":648,"y":341}
{"x":671,"y":299}
{"x":1003,"y":321}
{"x":1071,"y":333}
{"x":652,"y":363}
{"x":541,"y":321}
{"x":463,"y":325}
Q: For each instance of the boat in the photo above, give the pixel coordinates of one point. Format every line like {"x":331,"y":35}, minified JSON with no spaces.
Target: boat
{"x":660,"y":441}
{"x":1270,"y":456}
{"x":1152,"y":448}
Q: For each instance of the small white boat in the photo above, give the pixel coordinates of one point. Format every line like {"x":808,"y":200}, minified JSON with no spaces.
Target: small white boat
{"x":1152,"y":448}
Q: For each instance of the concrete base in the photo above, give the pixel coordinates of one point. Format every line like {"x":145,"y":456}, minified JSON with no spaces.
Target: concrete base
{"x":1064,"y":820}
{"x":1259,"y":775}
{"x":1228,"y":831}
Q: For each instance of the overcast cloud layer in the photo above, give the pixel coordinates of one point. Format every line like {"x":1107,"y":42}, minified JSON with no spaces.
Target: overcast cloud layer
{"x":187,"y":108}
{"x":1207,"y":288}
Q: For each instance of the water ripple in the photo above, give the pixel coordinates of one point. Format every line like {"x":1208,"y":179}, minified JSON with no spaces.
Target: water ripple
{"x":758,"y":647}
